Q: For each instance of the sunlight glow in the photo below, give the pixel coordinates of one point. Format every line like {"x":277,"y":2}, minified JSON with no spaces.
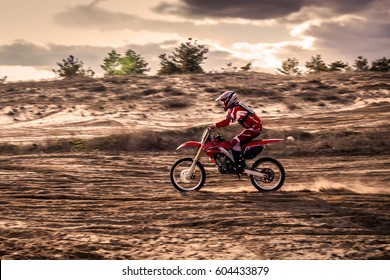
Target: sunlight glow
{"x":23,"y":73}
{"x":265,"y":55}
{"x":299,"y":29}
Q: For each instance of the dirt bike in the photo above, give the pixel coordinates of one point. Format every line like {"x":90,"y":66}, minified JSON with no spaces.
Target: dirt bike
{"x":188,"y":174}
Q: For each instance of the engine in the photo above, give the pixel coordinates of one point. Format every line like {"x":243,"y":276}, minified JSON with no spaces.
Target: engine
{"x":225,"y":165}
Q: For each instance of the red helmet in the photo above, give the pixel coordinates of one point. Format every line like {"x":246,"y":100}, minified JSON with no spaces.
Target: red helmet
{"x":228,"y":98}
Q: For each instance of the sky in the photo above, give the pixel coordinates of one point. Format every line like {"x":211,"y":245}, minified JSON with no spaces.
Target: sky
{"x":35,"y":35}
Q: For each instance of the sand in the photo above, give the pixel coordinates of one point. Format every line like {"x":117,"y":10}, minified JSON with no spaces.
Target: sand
{"x":97,"y":204}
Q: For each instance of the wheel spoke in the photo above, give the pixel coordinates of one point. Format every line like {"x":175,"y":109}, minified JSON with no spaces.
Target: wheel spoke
{"x":180,"y":178}
{"x":273,"y":177}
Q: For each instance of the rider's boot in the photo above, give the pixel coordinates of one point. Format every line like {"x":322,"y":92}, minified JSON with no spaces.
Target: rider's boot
{"x":239,"y":161}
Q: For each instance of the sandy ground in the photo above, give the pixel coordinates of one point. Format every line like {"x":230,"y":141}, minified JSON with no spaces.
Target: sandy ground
{"x":121,"y":205}
{"x":95,"y":206}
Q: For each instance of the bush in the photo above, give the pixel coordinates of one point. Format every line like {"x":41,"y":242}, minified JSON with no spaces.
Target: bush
{"x":361,"y":64}
{"x":73,"y":68}
{"x":131,"y":63}
{"x":316,"y":65}
{"x":290,"y":67}
{"x":185,"y":59}
{"x":338,"y":66}
{"x":175,"y":103}
{"x":137,"y":141}
{"x":381,"y":65}
{"x":305,"y":144}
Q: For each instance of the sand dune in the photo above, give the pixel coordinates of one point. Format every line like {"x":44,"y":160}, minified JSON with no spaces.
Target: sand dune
{"x":97,"y":203}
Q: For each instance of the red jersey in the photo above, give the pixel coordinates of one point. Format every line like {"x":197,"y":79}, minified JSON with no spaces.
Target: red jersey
{"x":244,"y":116}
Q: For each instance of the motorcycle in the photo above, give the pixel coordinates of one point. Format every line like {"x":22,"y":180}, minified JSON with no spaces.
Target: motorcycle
{"x":188,"y":174}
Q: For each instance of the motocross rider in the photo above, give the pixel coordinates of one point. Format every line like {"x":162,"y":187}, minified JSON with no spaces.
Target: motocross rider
{"x":243,"y":115}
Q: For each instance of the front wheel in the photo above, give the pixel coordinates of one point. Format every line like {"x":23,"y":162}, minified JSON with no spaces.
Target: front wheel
{"x":180,"y":179}
{"x":273,"y":175}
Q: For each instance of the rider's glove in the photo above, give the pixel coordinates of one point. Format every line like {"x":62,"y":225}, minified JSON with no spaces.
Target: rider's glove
{"x":212,"y":127}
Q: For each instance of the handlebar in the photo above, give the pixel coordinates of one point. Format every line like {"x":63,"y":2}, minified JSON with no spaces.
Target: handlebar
{"x":214,"y":134}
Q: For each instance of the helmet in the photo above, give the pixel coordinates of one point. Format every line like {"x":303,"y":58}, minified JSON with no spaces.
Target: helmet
{"x":228,"y":98}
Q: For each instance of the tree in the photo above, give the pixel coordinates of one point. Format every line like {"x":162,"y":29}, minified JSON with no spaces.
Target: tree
{"x":290,"y":66}
{"x":381,"y":65}
{"x":361,"y":64}
{"x":132,"y":62}
{"x":168,"y":67}
{"x":338,"y":66}
{"x":111,"y":64}
{"x":316,"y":65}
{"x":73,"y":68}
{"x":187,"y":58}
{"x":139,"y":62}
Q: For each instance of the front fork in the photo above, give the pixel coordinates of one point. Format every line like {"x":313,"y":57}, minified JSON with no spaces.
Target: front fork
{"x":194,"y":161}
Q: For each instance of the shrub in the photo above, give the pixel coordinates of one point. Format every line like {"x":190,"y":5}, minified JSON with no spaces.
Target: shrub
{"x":290,"y":66}
{"x":381,"y":65}
{"x":73,"y":68}
{"x":229,"y":68}
{"x":246,"y":67}
{"x":316,"y":65}
{"x":338,"y":66}
{"x":116,"y":65}
{"x":361,"y":64}
{"x":187,"y":58}
{"x":137,"y":141}
{"x":175,"y":103}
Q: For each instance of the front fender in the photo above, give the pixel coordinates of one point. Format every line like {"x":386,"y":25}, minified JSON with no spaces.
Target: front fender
{"x":189,"y":144}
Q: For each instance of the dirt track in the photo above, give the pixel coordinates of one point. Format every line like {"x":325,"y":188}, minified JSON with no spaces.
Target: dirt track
{"x":100,"y":206}
{"x":66,"y":193}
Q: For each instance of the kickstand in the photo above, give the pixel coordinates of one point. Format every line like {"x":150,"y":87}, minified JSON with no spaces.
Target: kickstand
{"x":239,"y":176}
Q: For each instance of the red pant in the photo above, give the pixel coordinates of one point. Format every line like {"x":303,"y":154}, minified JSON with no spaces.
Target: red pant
{"x":244,"y":137}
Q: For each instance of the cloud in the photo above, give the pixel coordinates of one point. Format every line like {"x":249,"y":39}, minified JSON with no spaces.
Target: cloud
{"x":249,"y":9}
{"x":366,"y":33}
{"x":261,"y":32}
{"x":22,"y":53}
{"x":255,"y":9}
{"x":92,"y":16}
{"x":228,"y":32}
{"x":353,"y":36}
{"x":26,"y":54}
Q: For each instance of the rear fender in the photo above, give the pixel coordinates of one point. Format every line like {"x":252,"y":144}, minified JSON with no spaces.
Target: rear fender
{"x":189,"y":144}
{"x":256,"y":143}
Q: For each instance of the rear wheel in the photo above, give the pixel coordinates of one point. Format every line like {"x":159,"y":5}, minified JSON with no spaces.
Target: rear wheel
{"x":273,"y":175}
{"x":179,"y":173}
